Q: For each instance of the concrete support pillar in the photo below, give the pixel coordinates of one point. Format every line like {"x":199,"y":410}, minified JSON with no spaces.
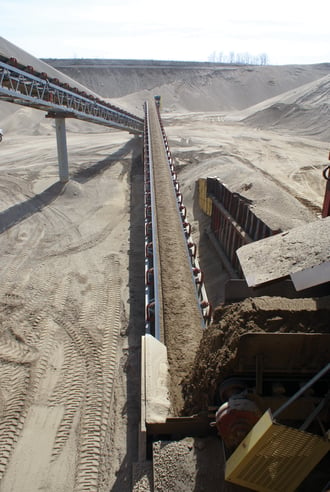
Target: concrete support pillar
{"x":62,"y":152}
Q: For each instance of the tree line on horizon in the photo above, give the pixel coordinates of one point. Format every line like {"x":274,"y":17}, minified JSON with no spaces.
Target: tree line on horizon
{"x":238,"y":58}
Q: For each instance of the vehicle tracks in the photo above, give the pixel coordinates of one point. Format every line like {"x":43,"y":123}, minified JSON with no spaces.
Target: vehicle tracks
{"x":304,"y":201}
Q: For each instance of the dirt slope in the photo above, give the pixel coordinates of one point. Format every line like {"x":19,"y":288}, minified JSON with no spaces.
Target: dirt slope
{"x":9,"y":50}
{"x":304,"y":110}
{"x":194,"y":86}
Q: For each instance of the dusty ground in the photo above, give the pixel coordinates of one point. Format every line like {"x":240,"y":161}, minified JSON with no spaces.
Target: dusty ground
{"x":71,"y":280}
{"x":65,"y":329}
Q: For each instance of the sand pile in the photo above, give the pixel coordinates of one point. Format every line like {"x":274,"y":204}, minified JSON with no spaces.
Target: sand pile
{"x":304,"y":110}
{"x":294,"y":98}
{"x":218,"y":347}
{"x":9,"y":50}
{"x":189,"y":86}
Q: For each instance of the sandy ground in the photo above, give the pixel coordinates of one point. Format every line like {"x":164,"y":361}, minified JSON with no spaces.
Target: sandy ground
{"x":64,"y":316}
{"x":71,"y":307}
{"x":71,"y":280}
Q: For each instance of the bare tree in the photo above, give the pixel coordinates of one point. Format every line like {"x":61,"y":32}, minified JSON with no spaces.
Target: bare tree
{"x":263,"y":59}
{"x":239,"y":58}
{"x":213,"y":57}
{"x":232,"y":57}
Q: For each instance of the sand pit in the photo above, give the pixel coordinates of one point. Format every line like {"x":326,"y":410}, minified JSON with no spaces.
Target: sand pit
{"x":72,"y":271}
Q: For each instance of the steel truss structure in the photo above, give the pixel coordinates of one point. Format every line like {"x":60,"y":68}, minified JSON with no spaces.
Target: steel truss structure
{"x":36,"y":90}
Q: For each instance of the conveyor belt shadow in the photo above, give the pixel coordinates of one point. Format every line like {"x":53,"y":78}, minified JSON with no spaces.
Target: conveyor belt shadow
{"x":87,"y":173}
{"x":135,"y":324}
{"x":21,"y":211}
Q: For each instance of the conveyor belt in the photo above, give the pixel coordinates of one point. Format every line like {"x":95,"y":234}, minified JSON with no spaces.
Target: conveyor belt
{"x":23,"y":85}
{"x":179,"y":304}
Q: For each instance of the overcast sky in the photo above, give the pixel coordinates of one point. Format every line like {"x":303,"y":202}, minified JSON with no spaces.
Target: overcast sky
{"x":287,"y":31}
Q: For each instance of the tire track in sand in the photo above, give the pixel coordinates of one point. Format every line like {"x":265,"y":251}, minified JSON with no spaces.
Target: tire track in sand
{"x":89,"y":370}
{"x":96,"y":422}
{"x":304,"y":201}
{"x":26,"y":346}
{"x":13,"y":411}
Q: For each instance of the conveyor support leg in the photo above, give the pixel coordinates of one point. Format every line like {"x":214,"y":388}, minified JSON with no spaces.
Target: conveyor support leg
{"x":62,"y":152}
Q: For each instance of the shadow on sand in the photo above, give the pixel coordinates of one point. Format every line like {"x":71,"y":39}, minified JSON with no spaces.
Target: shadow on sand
{"x":21,"y":211}
{"x":136,"y":322}
{"x":17,"y":213}
{"x":83,"y":175}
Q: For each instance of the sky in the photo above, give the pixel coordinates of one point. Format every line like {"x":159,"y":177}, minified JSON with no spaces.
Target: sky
{"x":286,"y":31}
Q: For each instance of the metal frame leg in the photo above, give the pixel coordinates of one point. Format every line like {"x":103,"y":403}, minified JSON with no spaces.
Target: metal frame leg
{"x":62,"y":153}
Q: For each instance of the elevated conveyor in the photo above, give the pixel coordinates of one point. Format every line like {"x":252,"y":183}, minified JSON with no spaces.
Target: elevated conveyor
{"x":20,"y":84}
{"x":25,"y":86}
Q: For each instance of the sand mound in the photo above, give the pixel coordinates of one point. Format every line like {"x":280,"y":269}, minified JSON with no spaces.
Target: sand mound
{"x":218,"y":347}
{"x":27,"y":121}
{"x":9,"y":50}
{"x":226,"y":90}
{"x":304,"y":110}
{"x":301,"y":92}
{"x":293,"y":98}
{"x":189,"y":86}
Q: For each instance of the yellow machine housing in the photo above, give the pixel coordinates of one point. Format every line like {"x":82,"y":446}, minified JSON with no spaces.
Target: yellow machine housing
{"x":274,"y":458}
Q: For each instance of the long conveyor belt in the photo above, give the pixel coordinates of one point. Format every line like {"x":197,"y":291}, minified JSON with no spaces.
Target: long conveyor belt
{"x":180,"y":314}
